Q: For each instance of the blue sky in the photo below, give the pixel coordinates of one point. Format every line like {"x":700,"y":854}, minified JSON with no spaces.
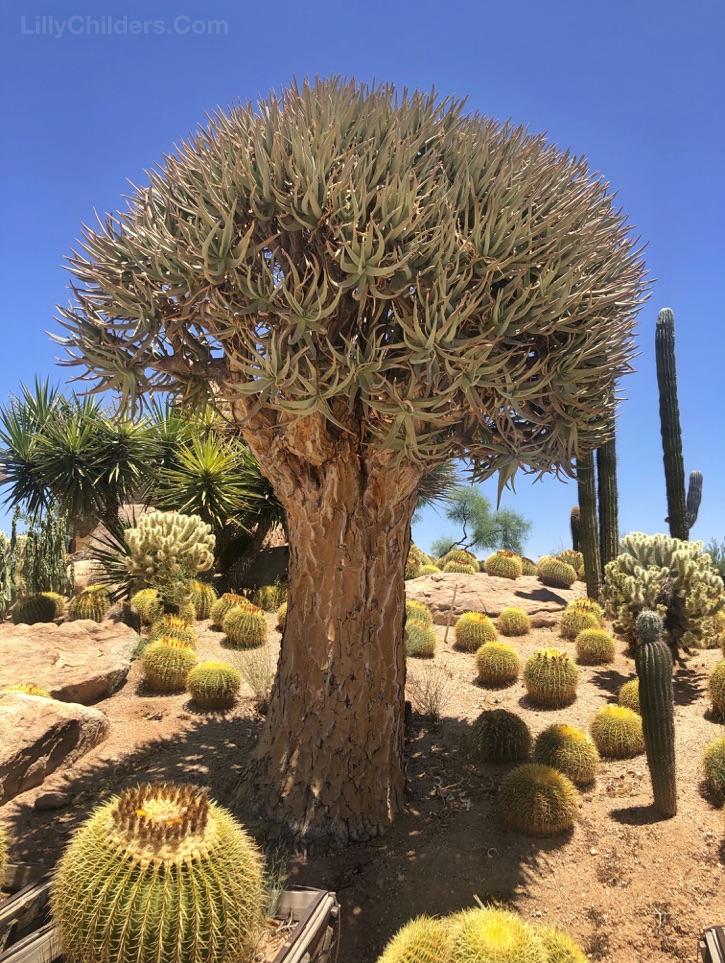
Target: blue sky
{"x":636,"y":86}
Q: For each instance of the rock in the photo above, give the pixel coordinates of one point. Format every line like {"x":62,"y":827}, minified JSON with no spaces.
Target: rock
{"x":490,"y":594}
{"x":39,"y":736}
{"x":79,"y":661}
{"x":86,"y":572}
{"x":47,"y":801}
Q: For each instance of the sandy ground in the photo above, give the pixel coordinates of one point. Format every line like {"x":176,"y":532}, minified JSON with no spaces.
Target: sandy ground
{"x":624,"y":883}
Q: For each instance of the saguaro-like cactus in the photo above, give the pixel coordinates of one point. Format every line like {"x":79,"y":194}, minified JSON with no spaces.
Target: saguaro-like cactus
{"x":654,"y":670}
{"x":608,"y":500}
{"x":589,"y":535}
{"x":575,"y":523}
{"x":670,"y":424}
{"x":694,"y":497}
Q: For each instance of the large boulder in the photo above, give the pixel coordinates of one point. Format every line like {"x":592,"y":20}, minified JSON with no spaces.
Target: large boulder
{"x":39,"y":735}
{"x":79,"y":661}
{"x":490,"y":594}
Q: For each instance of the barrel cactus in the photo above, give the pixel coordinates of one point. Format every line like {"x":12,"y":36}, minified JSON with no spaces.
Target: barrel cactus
{"x":93,"y":603}
{"x":574,"y":621}
{"x":528,"y":566}
{"x":460,"y":568}
{"x":503,"y":565}
{"x":28,"y":688}
{"x":628,"y":695}
{"x":269,"y":597}
{"x":174,"y":626}
{"x":569,"y":750}
{"x":575,"y":559}
{"x":654,"y":671}
{"x":551,"y":678}
{"x":245,"y":627}
{"x":461,"y":556}
{"x":419,"y":611}
{"x":713,"y":766}
{"x":167,"y":663}
{"x":203,"y":596}
{"x":538,"y":800}
{"x":412,"y":570}
{"x":281,"y":617}
{"x":159,"y":873}
{"x":213,"y":685}
{"x":498,"y":735}
{"x":429,"y":569}
{"x":497,"y":664}
{"x":587,"y":605}
{"x":149,"y":604}
{"x":422,"y":940}
{"x":33,"y":609}
{"x":559,"y":947}
{"x":555,"y":574}
{"x":58,"y":601}
{"x":617,"y":732}
{"x":492,"y":935}
{"x":472,"y":630}
{"x":223,"y":604}
{"x":595,"y":647}
{"x":420,"y":639}
{"x":716,"y":688}
{"x":513,"y":622}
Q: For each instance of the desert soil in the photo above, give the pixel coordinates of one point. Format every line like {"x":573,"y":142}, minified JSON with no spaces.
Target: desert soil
{"x":625,"y":883}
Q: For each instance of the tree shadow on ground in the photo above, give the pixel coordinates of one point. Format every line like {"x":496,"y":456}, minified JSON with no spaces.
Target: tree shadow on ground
{"x":688,"y":685}
{"x":542,"y":594}
{"x":610,"y":680}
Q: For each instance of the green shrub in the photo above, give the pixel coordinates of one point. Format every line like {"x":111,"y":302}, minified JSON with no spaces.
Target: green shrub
{"x":500,"y":736}
{"x":617,"y":732}
{"x":538,"y":800}
{"x":551,"y":678}
{"x":595,"y":647}
{"x":498,"y":664}
{"x":569,"y":750}
{"x":513,"y":622}
{"x":472,"y":630}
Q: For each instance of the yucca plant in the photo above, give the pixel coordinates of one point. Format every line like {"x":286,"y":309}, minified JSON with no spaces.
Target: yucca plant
{"x":379,"y":282}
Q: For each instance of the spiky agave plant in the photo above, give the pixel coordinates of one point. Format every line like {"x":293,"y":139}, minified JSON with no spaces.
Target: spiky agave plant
{"x":434,"y":286}
{"x":159,"y":872}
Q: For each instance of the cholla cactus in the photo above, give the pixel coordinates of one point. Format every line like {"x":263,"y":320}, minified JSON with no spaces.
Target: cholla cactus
{"x":674,"y":578}
{"x":167,"y":549}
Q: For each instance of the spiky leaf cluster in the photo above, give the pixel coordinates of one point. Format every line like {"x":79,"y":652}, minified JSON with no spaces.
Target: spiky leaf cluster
{"x":386,"y":261}
{"x":671,"y":577}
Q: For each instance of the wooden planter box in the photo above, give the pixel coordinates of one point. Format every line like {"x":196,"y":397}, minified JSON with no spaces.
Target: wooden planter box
{"x":27,"y":936}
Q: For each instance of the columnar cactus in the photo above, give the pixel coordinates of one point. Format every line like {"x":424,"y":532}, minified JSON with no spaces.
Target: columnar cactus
{"x":575,"y":524}
{"x":159,"y":873}
{"x":538,"y":800}
{"x":694,"y":497}
{"x":93,"y":603}
{"x":607,"y":497}
{"x":551,"y":678}
{"x":586,"y":483}
{"x":213,"y":685}
{"x":654,"y":671}
{"x":498,"y":735}
{"x":670,"y":424}
{"x":472,"y":630}
{"x":32,"y":609}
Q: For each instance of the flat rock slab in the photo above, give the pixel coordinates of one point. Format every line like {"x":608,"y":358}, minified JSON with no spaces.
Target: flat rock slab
{"x":39,"y":735}
{"x":490,"y":594}
{"x":81,"y":661}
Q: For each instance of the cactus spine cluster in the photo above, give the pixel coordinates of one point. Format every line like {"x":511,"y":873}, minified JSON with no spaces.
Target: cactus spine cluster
{"x":569,"y":750}
{"x":33,"y":609}
{"x":472,"y":630}
{"x":654,"y":671}
{"x":586,"y":483}
{"x":159,"y":873}
{"x":551,"y":678}
{"x":617,"y":732}
{"x":167,"y":663}
{"x":555,"y":573}
{"x":93,"y":603}
{"x":500,"y":736}
{"x":513,"y":622}
{"x":245,"y":626}
{"x":213,"y":685}
{"x":504,"y":565}
{"x":538,"y":800}
{"x":420,"y":639}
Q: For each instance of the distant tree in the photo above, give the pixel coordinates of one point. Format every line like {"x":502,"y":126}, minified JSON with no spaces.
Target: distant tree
{"x":482,"y":527}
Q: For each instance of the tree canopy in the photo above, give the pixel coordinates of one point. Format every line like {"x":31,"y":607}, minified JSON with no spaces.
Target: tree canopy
{"x":426,"y":280}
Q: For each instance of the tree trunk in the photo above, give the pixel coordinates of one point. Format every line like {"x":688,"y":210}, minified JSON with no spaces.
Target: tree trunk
{"x":329,"y":763}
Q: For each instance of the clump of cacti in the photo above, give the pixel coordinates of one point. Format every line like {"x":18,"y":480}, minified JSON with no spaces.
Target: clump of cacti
{"x":460,"y":568}
{"x":654,"y":671}
{"x":33,"y":609}
{"x":166,"y":664}
{"x":213,"y":685}
{"x":28,"y":688}
{"x":245,"y":626}
{"x":149,"y":604}
{"x":422,"y":940}
{"x":281,"y":617}
{"x":492,"y":935}
{"x":159,"y":869}
{"x":716,"y":688}
{"x":504,"y":565}
{"x":497,"y":664}
{"x":628,"y":695}
{"x":713,"y":766}
{"x":595,"y":647}
{"x":575,"y":559}
{"x":93,"y":603}
{"x":168,"y":549}
{"x":551,"y":678}
{"x":419,"y":611}
{"x":574,"y":621}
{"x":500,"y":736}
{"x":269,"y":597}
{"x":58,"y":601}
{"x":617,"y":732}
{"x":513,"y":622}
{"x":559,"y":947}
{"x":570,"y":750}
{"x":420,"y":639}
{"x":203,"y":596}
{"x":223,"y":604}
{"x":539,"y":800}
{"x":174,"y":626}
{"x":472,"y":630}
{"x":668,"y":576}
{"x":554,"y":573}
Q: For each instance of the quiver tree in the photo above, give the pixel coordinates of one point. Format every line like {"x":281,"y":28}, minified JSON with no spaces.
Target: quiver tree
{"x":375,"y":283}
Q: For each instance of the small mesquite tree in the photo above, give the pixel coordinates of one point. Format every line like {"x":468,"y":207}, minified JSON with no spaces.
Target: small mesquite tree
{"x":375,"y":283}
{"x":481,"y":528}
